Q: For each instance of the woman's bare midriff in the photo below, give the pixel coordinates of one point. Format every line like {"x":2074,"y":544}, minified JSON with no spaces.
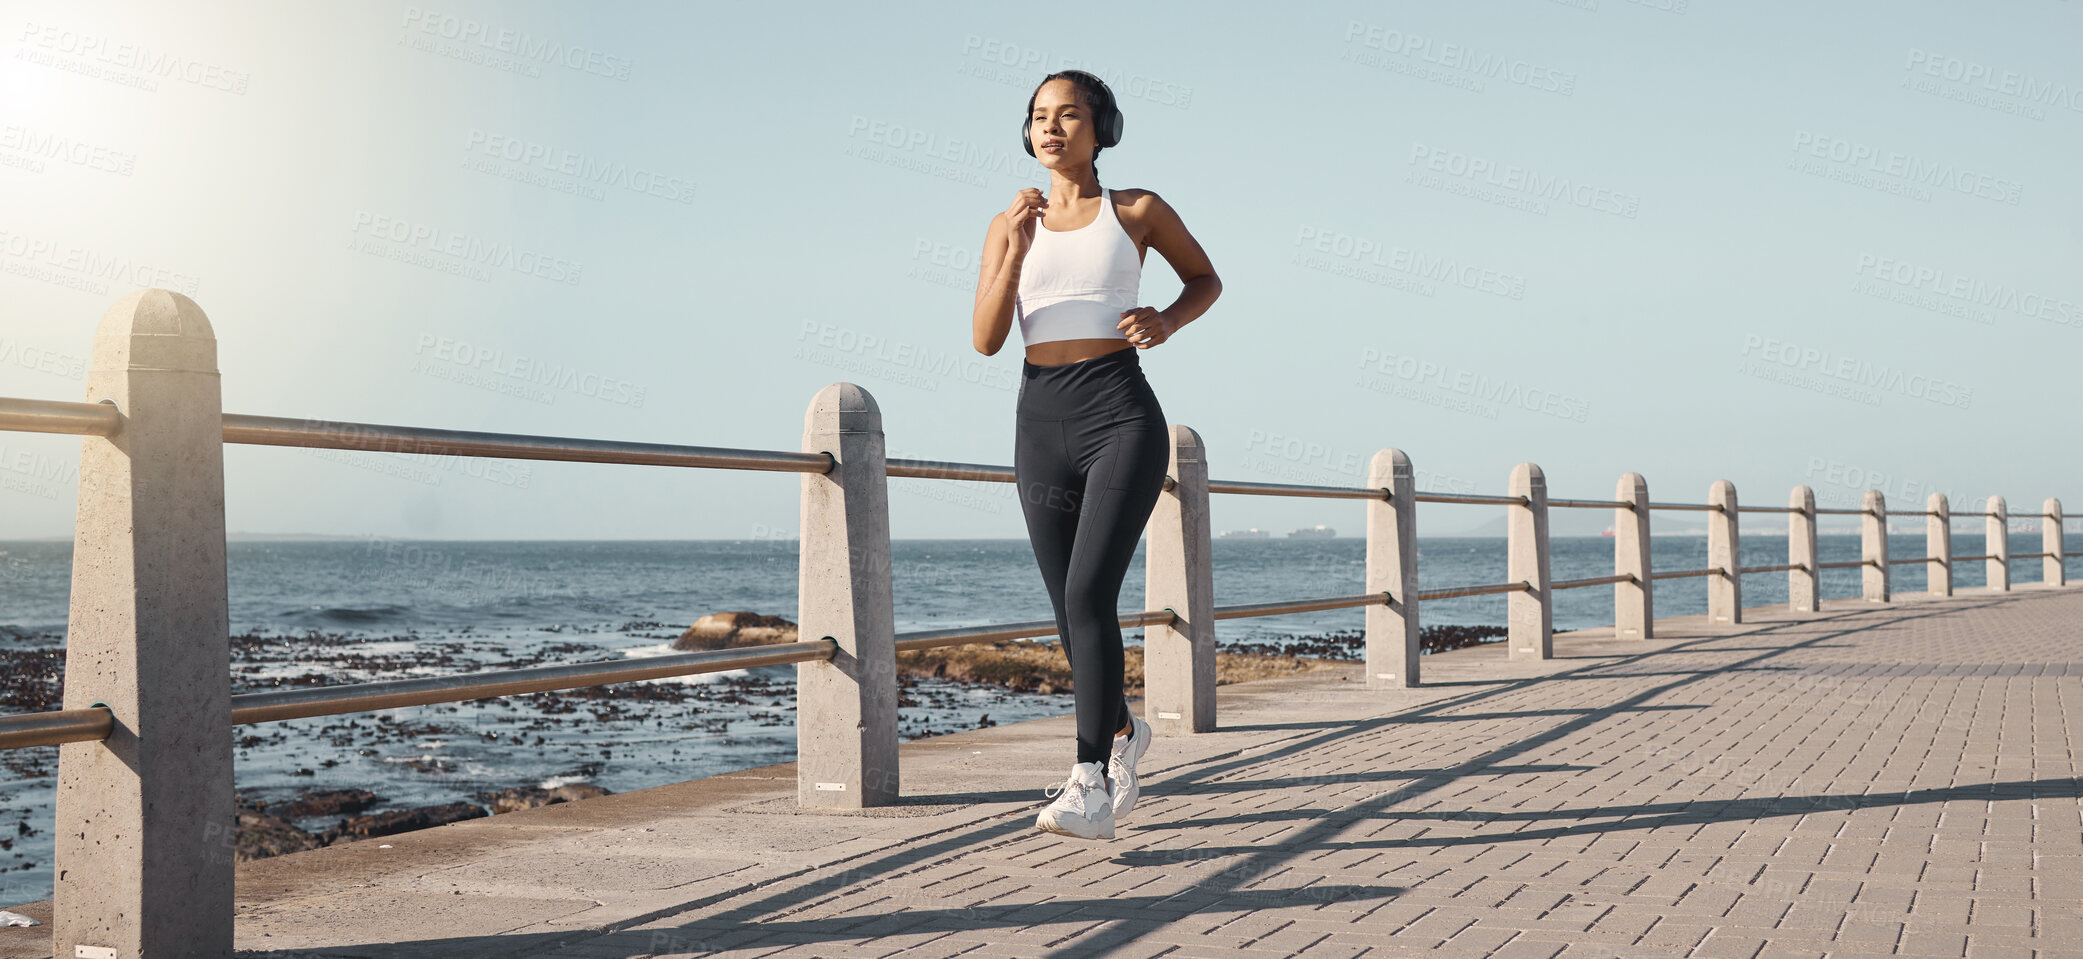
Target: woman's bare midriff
{"x":1059,"y":352}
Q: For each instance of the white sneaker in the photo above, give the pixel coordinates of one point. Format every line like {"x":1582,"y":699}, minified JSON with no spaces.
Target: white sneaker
{"x":1083,"y":809}
{"x":1122,"y":765}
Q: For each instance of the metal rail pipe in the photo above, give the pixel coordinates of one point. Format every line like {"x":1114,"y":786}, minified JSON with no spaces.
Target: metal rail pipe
{"x":1676,"y":574}
{"x":323,"y":434}
{"x":1765,"y":509}
{"x":1847,"y":512}
{"x":51,"y":416}
{"x":1910,"y":560}
{"x":933,"y":469}
{"x":1296,"y":489}
{"x":1970,"y":559}
{"x":1593,"y":581}
{"x":1300,"y":605}
{"x":1702,"y":507}
{"x":1844,"y":565}
{"x":361,"y":697}
{"x":1781,"y":568}
{"x":1590,"y":504}
{"x":1424,"y":497}
{"x":52,"y":728}
{"x":1459,"y":591}
{"x":964,"y":635}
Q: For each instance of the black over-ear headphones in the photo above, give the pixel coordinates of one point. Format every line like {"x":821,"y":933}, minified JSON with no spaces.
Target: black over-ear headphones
{"x":1108,"y":121}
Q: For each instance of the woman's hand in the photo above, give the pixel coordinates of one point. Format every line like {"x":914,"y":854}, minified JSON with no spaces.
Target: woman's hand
{"x":1027,"y":209}
{"x":1145,"y":327}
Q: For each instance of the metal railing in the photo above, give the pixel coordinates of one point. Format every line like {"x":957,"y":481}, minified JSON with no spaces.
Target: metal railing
{"x":157,"y":392}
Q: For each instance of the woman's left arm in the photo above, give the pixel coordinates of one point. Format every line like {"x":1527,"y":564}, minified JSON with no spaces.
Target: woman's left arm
{"x":1167,"y":234}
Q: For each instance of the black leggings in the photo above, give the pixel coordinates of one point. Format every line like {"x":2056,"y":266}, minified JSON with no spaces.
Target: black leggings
{"x":1089,"y":462}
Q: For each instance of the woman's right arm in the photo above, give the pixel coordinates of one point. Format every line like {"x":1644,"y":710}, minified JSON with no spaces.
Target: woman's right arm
{"x":998,"y":282}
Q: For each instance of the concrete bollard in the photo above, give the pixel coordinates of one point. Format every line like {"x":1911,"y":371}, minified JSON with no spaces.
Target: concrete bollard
{"x":1724,"y":552}
{"x":1873,"y":548}
{"x":1179,"y":575}
{"x":1997,"y":536}
{"x":1803,"y":589}
{"x":144,"y":836}
{"x":1529,"y":613}
{"x":1938,"y":545}
{"x":1634,"y":613}
{"x":2053,"y":571}
{"x":1392,"y":568}
{"x":846,"y":709}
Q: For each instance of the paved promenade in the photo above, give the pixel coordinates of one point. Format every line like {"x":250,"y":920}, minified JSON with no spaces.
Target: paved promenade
{"x":1864,"y":781}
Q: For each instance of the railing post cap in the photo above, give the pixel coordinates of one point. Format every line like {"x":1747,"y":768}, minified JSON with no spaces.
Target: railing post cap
{"x":851,"y":404}
{"x":154,"y":329}
{"x":1184,"y":437}
{"x":1802,"y":498}
{"x":1527,"y":471}
{"x":1389,"y":456}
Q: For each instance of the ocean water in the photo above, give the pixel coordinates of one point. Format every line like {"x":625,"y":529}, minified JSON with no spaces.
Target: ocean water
{"x":307,"y":613}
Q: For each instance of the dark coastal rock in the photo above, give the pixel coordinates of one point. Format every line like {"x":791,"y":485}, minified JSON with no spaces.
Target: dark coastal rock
{"x":732,"y":630}
{"x":333,"y":802}
{"x":261,"y":835}
{"x":529,"y":797}
{"x":402,"y":820}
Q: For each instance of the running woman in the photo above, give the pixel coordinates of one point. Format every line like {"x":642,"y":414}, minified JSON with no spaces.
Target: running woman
{"x":1091,"y":443}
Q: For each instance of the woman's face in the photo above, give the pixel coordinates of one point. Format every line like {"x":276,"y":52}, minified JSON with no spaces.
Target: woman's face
{"x":1061,"y":127}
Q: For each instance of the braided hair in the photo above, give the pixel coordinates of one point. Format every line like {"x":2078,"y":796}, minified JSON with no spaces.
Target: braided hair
{"x":1098,"y":99}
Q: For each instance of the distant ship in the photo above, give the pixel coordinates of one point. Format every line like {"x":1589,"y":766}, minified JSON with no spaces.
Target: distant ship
{"x":1319,"y":531}
{"x":1252,"y":533}
{"x":1608,"y":532}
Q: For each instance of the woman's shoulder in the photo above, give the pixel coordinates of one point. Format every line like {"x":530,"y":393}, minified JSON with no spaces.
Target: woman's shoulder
{"x":1137,"y":202}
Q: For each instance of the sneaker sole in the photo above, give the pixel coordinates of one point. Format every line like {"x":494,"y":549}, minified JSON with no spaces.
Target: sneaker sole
{"x":1048,"y":824}
{"x":1137,"y":746}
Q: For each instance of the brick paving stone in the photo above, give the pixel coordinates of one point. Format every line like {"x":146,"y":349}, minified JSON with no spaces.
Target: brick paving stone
{"x":1847,"y":783}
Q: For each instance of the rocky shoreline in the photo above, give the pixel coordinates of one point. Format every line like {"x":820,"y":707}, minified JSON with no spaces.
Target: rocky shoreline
{"x":30,"y":681}
{"x":1040,"y":667}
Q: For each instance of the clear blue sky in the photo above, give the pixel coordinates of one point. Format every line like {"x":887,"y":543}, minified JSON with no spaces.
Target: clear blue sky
{"x":1775,"y":243}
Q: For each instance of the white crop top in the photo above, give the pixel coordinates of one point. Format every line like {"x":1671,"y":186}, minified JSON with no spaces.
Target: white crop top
{"x":1075,"y":284}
